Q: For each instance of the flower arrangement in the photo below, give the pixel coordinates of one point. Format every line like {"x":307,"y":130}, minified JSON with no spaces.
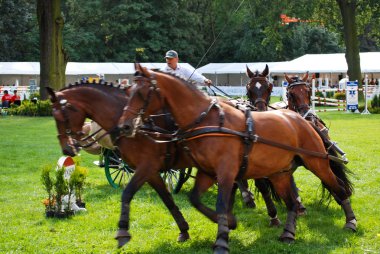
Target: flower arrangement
{"x":64,"y":194}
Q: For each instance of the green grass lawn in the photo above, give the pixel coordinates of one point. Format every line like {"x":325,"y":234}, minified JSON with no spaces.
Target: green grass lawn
{"x":29,"y":143}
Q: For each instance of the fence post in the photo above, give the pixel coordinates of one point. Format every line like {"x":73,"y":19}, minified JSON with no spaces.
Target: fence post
{"x":366,"y":112}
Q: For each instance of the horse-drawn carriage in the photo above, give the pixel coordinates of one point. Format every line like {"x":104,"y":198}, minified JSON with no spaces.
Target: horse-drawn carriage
{"x":225,"y":145}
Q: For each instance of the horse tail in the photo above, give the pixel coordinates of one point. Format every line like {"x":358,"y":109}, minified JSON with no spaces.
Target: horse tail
{"x":267,"y":187}
{"x":338,"y":168}
{"x":342,"y":173}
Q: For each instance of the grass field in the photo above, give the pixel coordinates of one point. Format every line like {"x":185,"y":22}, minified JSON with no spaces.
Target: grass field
{"x":29,"y":143}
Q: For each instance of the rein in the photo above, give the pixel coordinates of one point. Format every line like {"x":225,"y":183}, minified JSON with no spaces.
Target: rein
{"x":77,"y":143}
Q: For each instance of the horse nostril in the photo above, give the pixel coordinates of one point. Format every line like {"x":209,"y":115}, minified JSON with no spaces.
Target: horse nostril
{"x":68,"y":151}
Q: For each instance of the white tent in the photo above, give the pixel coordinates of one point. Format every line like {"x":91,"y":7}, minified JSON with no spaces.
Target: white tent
{"x":328,"y":63}
{"x":232,"y":73}
{"x":25,"y":73}
{"x":329,"y":68}
{"x":19,"y":68}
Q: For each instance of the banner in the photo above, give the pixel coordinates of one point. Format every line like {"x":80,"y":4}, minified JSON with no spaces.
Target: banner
{"x":352,"y":95}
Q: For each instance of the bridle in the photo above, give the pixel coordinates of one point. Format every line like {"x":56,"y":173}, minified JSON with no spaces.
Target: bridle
{"x":140,"y":80}
{"x":74,"y":138}
{"x":262,"y":81}
{"x":292,"y":103}
{"x":137,"y":122}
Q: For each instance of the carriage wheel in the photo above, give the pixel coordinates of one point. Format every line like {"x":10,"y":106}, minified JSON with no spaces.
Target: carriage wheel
{"x":175,"y":179}
{"x":117,"y":171}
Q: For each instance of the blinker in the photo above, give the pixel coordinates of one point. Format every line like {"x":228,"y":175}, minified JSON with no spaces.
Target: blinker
{"x":63,"y":102}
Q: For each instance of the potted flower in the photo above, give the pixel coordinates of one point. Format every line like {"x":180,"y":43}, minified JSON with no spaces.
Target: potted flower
{"x":61,"y":189}
{"x":77,"y":180}
{"x":48,"y":183}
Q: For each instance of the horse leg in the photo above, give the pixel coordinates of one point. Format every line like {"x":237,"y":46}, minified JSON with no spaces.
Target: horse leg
{"x":282,"y":184}
{"x":263,"y":186}
{"x":247,"y":196}
{"x":202,"y":183}
{"x":158,"y":184}
{"x":301,"y":209}
{"x":137,"y":180}
{"x":340,"y":192}
{"x":223,"y":207}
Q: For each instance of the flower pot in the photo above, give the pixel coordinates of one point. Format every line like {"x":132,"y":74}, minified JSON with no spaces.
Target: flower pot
{"x":62,"y":215}
{"x":49,"y":214}
{"x":81,"y":204}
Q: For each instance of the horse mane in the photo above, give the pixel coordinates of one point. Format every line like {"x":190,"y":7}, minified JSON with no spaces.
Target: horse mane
{"x":191,"y":84}
{"x":102,"y":85}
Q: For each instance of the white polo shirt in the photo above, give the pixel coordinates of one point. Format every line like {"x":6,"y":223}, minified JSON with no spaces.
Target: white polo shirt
{"x":186,"y":74}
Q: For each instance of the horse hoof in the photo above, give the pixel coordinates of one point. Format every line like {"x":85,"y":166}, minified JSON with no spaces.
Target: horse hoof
{"x":122,"y":237}
{"x":221,"y":246}
{"x":274,"y":222}
{"x":350,"y":226}
{"x":250,"y":204}
{"x":221,"y":250}
{"x":287,"y":237}
{"x":183,"y":236}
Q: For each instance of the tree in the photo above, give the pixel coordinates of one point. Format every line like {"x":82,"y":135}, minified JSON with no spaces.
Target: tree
{"x":18,"y":32}
{"x":53,"y":58}
{"x":348,"y":12}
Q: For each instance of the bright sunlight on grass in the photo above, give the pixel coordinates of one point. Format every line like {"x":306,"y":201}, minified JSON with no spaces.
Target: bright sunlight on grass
{"x":29,"y":143}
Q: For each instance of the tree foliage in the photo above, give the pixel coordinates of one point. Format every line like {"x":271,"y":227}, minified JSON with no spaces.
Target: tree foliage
{"x":18,"y":31}
{"x":211,"y":31}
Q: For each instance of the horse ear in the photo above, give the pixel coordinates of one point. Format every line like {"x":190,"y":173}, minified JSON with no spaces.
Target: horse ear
{"x":51,"y":93}
{"x":138,"y":67}
{"x":144,"y":71}
{"x":249,"y":72}
{"x":288,"y":79}
{"x":305,"y":77}
{"x":265,"y":71}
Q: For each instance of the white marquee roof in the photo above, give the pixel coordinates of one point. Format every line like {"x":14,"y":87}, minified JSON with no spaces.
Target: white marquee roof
{"x":323,"y":63}
{"x":25,"y":68}
{"x":234,"y":68}
{"x":328,"y":63}
{"x":78,"y":68}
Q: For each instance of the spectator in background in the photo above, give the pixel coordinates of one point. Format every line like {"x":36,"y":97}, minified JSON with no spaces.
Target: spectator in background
{"x":6,"y":99}
{"x":16,"y":98}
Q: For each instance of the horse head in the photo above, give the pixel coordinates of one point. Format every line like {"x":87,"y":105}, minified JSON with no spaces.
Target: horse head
{"x":259,"y":88}
{"x":145,"y":100}
{"x":298,"y":93}
{"x":69,"y":120}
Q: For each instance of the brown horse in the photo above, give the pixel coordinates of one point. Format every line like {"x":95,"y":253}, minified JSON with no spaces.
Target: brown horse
{"x":104,"y":104}
{"x":299,"y":100}
{"x":228,"y":145}
{"x":259,"y":90}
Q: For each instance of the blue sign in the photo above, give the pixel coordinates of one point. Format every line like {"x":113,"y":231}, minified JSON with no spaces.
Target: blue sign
{"x":352,"y":95}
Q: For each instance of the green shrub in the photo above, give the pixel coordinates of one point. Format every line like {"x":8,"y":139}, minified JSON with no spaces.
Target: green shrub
{"x":48,"y":183}
{"x":29,"y":108}
{"x":60,"y":186}
{"x":77,"y":181}
{"x":340,"y":96}
{"x":35,"y":95}
{"x":329,"y":94}
{"x":319,"y":94}
{"x":375,"y":103}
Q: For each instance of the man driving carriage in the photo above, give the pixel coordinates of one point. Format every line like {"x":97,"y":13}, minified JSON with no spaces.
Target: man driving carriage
{"x":173,"y":66}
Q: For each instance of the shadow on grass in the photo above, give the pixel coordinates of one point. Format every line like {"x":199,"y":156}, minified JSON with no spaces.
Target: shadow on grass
{"x":265,"y":239}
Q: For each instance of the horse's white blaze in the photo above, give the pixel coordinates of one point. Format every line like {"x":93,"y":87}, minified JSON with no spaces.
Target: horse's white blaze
{"x":258,"y":85}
